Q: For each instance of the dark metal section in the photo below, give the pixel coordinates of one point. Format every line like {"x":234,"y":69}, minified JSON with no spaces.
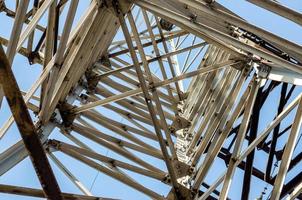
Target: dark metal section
{"x":290,"y":186}
{"x":24,"y":191}
{"x":248,"y":166}
{"x":216,"y":192}
{"x":272,"y":85}
{"x":272,"y":151}
{"x":268,"y":46}
{"x":27,"y":130}
{"x":167,"y":26}
{"x":269,"y":146}
{"x":225,"y":155}
{"x":250,"y":158}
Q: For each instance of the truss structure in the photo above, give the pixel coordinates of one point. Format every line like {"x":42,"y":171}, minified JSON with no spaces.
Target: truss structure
{"x":176,"y":89}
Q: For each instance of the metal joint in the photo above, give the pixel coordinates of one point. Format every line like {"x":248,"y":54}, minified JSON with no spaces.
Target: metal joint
{"x":83,"y":98}
{"x":167,"y":179}
{"x":166,"y":25}
{"x":67,"y":116}
{"x":262,"y":70}
{"x":54,"y":144}
{"x":92,"y":81}
{"x":105,"y":61}
{"x":33,"y":56}
{"x":152,"y":88}
{"x":193,"y":18}
{"x":180,"y":123}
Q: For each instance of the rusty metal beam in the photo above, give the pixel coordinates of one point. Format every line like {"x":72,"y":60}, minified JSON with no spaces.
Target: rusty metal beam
{"x":27,"y":130}
{"x":31,"y":192}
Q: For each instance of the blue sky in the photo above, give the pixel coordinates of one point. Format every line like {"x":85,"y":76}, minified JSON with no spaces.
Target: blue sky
{"x":23,"y":174}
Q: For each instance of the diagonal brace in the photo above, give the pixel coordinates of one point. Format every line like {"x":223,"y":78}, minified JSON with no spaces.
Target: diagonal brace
{"x":27,"y":130}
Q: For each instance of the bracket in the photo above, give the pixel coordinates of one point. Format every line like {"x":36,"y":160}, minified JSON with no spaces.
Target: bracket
{"x":66,"y":114}
{"x":167,"y":26}
{"x":262,"y":70}
{"x":182,"y":168}
{"x":92,"y":80}
{"x":179,"y":123}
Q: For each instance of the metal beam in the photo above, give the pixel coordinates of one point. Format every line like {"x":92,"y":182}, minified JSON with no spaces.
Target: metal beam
{"x":30,"y":192}
{"x":27,"y":130}
{"x":288,"y":152}
{"x":279,"y":9}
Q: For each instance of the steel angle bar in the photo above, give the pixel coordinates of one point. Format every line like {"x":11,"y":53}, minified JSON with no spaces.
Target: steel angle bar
{"x":154,"y":96}
{"x":291,"y":185}
{"x":279,"y":9}
{"x":84,"y":146}
{"x":253,"y":130}
{"x":282,"y":103}
{"x":107,"y":100}
{"x":211,"y":189}
{"x":223,"y":132}
{"x":30,"y":192}
{"x":14,"y":37}
{"x":183,"y":21}
{"x":49,"y":49}
{"x":239,"y":140}
{"x":223,"y":15}
{"x":16,"y":153}
{"x":199,"y":104}
{"x":120,"y":177}
{"x":113,"y":145}
{"x":223,"y":84}
{"x":170,"y":62}
{"x":99,"y":34}
{"x":270,"y":127}
{"x":28,"y":130}
{"x":31,"y":26}
{"x":30,"y":39}
{"x":64,"y":147}
{"x":167,"y":36}
{"x":295,"y":193}
{"x":149,"y":103}
{"x":17,"y":28}
{"x":196,"y":86}
{"x":114,"y":126}
{"x":29,"y":94}
{"x":260,"y":138}
{"x":164,"y":13}
{"x":44,"y":74}
{"x":130,"y":93}
{"x":288,"y":152}
{"x":126,"y":127}
{"x":70,"y":176}
{"x":58,"y":57}
{"x":155,"y":47}
{"x":167,"y":55}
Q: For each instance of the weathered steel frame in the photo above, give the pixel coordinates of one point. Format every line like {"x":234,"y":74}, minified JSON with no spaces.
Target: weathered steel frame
{"x":188,"y":124}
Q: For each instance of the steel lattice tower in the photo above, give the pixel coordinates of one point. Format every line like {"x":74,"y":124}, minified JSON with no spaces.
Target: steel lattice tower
{"x":176,"y":89}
